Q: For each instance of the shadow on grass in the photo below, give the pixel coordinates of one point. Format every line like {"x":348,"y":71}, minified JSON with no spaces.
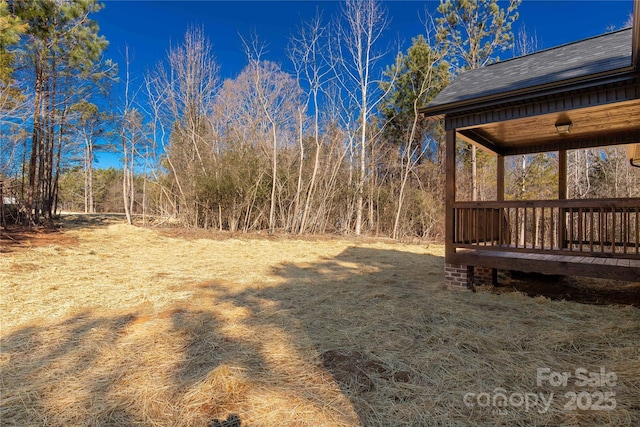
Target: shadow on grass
{"x":367,"y":337}
{"x":128,"y":369}
{"x":216,"y":357}
{"x":582,"y":290}
{"x":48,"y":370}
{"x":404,"y":351}
{"x":357,"y":317}
{"x":15,"y":237}
{"x":73,"y":221}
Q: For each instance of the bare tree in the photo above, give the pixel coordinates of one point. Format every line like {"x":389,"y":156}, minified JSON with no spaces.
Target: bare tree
{"x":614,"y":176}
{"x":87,"y":122}
{"x":333,"y":201}
{"x":359,"y":36}
{"x":306,"y":51}
{"x":181,"y":95}
{"x":580,"y":169}
{"x":277,"y":95}
{"x":130,"y":122}
{"x":421,"y":75}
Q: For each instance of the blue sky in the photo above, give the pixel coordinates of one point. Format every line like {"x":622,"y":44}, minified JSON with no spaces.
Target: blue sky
{"x":148,"y":27}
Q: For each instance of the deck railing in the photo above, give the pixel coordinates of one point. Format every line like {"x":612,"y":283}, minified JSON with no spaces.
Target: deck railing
{"x":594,"y":227}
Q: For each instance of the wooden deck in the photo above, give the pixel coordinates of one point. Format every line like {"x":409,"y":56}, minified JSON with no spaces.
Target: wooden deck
{"x":567,"y":265}
{"x":594,"y":238}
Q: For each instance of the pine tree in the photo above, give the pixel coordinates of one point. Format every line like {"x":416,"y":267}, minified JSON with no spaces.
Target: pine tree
{"x":63,"y":61}
{"x":11,"y":29}
{"x":420,"y":74}
{"x":475,"y":31}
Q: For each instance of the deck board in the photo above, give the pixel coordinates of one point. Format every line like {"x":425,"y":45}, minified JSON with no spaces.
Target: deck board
{"x":568,"y":265}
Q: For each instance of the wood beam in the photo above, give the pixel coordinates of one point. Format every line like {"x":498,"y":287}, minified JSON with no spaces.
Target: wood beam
{"x":450,"y":192}
{"x":570,"y":142}
{"x":609,"y":203}
{"x":475,"y":138}
{"x":547,"y":264}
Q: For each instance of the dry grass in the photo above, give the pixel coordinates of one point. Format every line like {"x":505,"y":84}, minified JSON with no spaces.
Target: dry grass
{"x":118,"y":325}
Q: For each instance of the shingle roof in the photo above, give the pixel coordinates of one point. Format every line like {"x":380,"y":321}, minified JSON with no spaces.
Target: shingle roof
{"x":584,"y":58}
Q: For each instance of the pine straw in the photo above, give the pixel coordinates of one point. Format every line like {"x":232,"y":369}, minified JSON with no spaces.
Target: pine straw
{"x":131,"y":327}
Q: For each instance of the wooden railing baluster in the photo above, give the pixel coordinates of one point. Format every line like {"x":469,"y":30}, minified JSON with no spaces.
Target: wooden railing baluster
{"x":606,"y":227}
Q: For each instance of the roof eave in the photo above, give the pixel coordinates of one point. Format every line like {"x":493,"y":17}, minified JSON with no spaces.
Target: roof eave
{"x":611,"y":76}
{"x":635,"y":43}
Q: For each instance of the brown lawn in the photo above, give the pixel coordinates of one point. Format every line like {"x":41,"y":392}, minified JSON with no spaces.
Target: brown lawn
{"x":108,"y":324}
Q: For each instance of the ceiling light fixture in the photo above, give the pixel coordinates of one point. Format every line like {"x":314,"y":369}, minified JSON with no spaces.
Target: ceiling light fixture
{"x":563,"y":128}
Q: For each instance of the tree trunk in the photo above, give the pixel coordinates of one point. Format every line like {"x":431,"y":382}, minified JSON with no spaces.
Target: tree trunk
{"x":56,"y":177}
{"x":362,"y":171}
{"x":88,"y":177}
{"x":125,"y":179}
{"x":31,"y":209}
{"x":298,"y":195}
{"x":316,"y":165}
{"x":407,"y":169}
{"x":132,"y":188}
{"x":274,"y":173}
{"x":3,"y":220}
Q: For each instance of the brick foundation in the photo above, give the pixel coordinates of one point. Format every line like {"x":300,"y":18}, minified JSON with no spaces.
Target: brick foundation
{"x":462,"y":277}
{"x":482,"y":276}
{"x":457,"y":277}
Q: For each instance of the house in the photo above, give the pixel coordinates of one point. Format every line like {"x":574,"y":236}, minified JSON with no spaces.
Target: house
{"x":580,"y":95}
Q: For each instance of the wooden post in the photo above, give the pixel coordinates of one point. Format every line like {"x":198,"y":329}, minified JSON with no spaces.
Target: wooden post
{"x":499,"y":213}
{"x":562,"y":174}
{"x":450,"y":193}
{"x":500,"y":179}
{"x":562,"y":195}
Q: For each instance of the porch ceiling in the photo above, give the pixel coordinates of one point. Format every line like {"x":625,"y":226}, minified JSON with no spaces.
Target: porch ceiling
{"x":609,"y":124}
{"x":512,"y":107}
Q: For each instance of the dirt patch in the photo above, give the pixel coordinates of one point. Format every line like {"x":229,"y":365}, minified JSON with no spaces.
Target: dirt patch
{"x":353,"y":369}
{"x":359,"y":372}
{"x":232,"y":421}
{"x":14,"y":237}
{"x":54,"y":233}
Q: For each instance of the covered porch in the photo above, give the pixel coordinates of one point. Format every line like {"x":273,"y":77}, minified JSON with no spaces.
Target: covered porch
{"x":597,"y":237}
{"x":581,"y":95}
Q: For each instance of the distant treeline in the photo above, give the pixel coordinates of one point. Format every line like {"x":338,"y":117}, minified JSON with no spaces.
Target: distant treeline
{"x":330,"y":142}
